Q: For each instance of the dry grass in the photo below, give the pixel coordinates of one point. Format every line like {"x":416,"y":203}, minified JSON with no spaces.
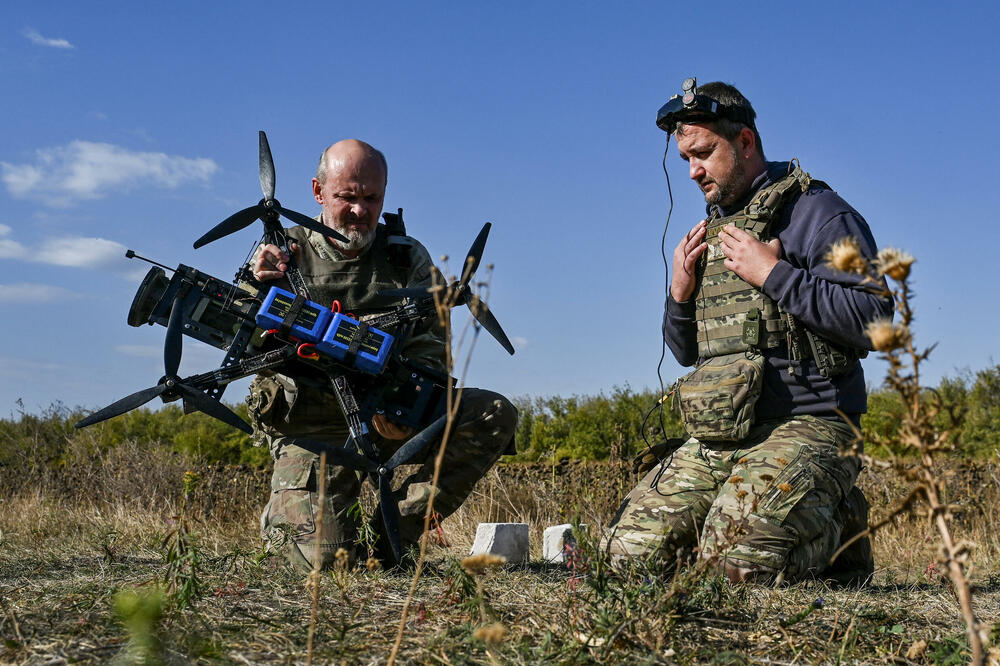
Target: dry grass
{"x":65,"y":555}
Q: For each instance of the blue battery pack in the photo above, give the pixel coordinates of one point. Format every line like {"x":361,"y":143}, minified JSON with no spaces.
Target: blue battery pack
{"x":308,"y":324}
{"x":372,"y":348}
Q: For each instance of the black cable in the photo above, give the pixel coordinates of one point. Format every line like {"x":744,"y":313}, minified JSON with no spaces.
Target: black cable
{"x":663,"y":340}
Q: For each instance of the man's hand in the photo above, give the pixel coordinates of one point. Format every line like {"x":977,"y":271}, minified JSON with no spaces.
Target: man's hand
{"x":686,"y":256}
{"x":389,"y":430}
{"x":746,"y":256}
{"x":271,"y":263}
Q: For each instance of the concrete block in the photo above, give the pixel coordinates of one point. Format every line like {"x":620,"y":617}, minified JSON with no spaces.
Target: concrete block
{"x":556,"y":540}
{"x":507,"y":539}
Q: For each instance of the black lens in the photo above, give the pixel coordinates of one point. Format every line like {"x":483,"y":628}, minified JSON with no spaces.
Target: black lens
{"x":665,"y":117}
{"x":150,"y":292}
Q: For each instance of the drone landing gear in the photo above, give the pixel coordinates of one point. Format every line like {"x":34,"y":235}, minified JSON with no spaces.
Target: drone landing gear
{"x":380,"y":474}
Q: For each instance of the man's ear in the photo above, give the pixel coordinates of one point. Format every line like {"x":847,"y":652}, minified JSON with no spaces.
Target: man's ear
{"x":747,"y":142}
{"x":318,"y":191}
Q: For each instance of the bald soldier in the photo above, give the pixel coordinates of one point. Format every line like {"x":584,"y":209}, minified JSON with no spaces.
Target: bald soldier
{"x":350,"y":187}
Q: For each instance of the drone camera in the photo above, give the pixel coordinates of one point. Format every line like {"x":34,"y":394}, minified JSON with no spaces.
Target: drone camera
{"x":306,"y":320}
{"x":212,"y":311}
{"x":372,"y":344}
{"x":150,"y":292}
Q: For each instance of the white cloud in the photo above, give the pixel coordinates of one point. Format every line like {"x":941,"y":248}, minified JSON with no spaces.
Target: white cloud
{"x":72,"y":251}
{"x":519,"y":342}
{"x":36,"y":37}
{"x":89,"y":170}
{"x":196,"y":356}
{"x":26,"y":292}
{"x":9,"y":249}
{"x":22,"y":368}
{"x":80,"y":252}
{"x":141,"y":351}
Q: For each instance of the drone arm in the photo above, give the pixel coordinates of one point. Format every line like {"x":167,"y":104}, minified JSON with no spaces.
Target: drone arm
{"x":242,"y":368}
{"x":352,"y":414}
{"x":427,"y":339}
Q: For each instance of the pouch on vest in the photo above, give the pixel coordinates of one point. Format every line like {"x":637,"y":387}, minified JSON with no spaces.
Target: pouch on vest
{"x":717,"y":400}
{"x":262,"y":402}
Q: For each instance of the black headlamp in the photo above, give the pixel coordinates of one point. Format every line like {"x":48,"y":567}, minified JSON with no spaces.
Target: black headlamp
{"x":691,"y":107}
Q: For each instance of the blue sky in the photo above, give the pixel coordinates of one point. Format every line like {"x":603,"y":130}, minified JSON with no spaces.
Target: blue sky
{"x":134,"y":125}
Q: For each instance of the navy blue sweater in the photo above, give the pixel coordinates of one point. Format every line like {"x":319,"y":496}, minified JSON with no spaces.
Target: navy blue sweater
{"x":826,"y":301}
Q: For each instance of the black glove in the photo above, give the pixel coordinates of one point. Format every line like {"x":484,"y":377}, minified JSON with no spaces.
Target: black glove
{"x":649,"y":458}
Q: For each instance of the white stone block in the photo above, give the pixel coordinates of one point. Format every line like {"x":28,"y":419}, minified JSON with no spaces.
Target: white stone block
{"x":507,"y":539}
{"x":556,"y":540}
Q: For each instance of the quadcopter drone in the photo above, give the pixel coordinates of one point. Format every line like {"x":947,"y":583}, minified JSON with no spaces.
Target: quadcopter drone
{"x":264,"y":327}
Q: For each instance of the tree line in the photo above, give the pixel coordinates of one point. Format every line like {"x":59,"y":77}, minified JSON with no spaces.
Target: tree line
{"x":616,"y":424}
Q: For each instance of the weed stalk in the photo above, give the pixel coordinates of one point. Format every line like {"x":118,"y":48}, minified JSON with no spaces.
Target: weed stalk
{"x":928,"y":424}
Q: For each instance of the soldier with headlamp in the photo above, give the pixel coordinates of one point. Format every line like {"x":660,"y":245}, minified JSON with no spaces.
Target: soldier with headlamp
{"x":762,"y":485}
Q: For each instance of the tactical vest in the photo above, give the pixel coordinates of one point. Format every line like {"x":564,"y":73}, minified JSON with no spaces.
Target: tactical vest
{"x":354,"y":282}
{"x":732,"y":315}
{"x":278,"y":403}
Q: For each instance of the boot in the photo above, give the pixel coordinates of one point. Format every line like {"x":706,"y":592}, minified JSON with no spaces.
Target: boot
{"x":855,"y":565}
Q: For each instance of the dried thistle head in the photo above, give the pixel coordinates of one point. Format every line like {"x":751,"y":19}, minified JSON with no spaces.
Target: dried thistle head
{"x":894,"y":263}
{"x":917,"y":650}
{"x":886,"y":335}
{"x":785,"y":487}
{"x":190,"y":480}
{"x":736,"y":480}
{"x":476,"y":565}
{"x":490,"y":633}
{"x":341,"y":559}
{"x":845,"y":256}
{"x":372,"y":564}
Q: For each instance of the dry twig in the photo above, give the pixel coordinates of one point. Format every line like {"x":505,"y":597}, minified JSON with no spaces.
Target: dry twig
{"x":445,"y":298}
{"x":920,"y":433}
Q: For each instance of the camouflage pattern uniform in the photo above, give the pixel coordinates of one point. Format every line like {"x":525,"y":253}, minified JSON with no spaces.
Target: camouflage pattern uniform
{"x":774,"y":495}
{"x":769,"y":501}
{"x":281,"y":410}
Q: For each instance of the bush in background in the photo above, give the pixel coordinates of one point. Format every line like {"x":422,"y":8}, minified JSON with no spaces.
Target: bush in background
{"x":580,"y":427}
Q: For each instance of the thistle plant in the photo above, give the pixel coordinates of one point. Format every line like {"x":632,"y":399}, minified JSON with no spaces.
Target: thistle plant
{"x":928,"y":424}
{"x":476,"y":567}
{"x":140,"y":611}
{"x":182,"y":577}
{"x":447,"y":294}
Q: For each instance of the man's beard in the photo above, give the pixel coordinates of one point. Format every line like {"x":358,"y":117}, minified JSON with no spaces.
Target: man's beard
{"x":730,"y":190}
{"x":358,"y":238}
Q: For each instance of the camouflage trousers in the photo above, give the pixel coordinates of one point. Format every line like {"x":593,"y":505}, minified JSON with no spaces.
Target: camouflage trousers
{"x":770,"y":503}
{"x":481,"y":434}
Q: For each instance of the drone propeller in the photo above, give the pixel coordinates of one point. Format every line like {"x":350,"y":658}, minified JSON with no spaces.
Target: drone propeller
{"x":387,"y":502}
{"x":267,"y":209}
{"x":466,"y":296}
{"x":475,"y":254}
{"x":170,"y":385}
